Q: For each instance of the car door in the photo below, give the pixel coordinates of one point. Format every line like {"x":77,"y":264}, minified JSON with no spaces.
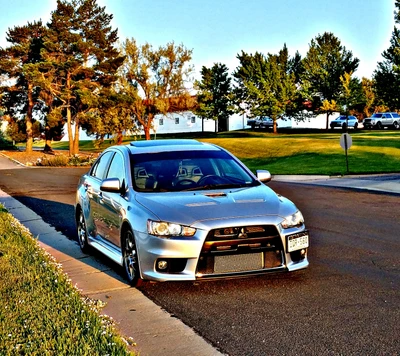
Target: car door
{"x":111,"y":203}
{"x":93,"y":193}
{"x":386,"y":119}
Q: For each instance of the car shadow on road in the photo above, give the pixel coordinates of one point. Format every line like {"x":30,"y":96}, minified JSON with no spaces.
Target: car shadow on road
{"x":52,"y":224}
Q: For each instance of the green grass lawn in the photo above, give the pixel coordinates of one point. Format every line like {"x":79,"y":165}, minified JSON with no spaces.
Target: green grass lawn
{"x":41,"y":313}
{"x":299,"y":152}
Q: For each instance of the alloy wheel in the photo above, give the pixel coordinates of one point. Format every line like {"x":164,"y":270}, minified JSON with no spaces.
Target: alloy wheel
{"x":130,"y":259}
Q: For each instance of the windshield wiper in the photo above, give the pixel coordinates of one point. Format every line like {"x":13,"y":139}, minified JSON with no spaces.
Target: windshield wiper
{"x":219,"y":186}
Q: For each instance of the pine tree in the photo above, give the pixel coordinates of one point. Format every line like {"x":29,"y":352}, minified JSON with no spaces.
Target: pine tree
{"x":19,"y":63}
{"x":80,"y":61}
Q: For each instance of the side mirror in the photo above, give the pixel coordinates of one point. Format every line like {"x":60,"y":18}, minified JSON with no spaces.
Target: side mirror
{"x":111,"y":185}
{"x":264,"y":176}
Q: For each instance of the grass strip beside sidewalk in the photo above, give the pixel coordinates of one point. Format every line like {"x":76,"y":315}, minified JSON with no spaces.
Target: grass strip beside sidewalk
{"x":41,"y":312}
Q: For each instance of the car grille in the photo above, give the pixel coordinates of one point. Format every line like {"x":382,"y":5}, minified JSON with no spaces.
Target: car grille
{"x":367,"y":121}
{"x":234,"y":250}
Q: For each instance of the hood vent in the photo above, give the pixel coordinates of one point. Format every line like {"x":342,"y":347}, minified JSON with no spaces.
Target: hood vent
{"x":215,"y":195}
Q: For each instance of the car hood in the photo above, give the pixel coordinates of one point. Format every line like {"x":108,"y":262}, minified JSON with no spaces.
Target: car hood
{"x":189,"y":208}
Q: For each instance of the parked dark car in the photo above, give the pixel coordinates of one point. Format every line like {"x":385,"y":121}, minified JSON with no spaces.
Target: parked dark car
{"x":264,"y":123}
{"x":261,"y":122}
{"x":181,"y":210}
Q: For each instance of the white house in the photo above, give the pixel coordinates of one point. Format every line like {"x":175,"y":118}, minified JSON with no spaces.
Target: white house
{"x":181,"y":122}
{"x":189,"y":122}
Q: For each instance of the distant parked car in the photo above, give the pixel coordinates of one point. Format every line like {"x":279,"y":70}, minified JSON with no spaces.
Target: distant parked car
{"x":181,"y":210}
{"x":380,"y":120}
{"x":343,"y":122}
{"x":252,"y":122}
{"x":264,"y":123}
{"x":261,"y":122}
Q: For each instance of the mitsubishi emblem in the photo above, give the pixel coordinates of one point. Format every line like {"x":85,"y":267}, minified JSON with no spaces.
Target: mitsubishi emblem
{"x":242,"y":234}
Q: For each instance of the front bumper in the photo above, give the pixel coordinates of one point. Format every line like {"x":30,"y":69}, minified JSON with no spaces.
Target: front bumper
{"x":208,"y":255}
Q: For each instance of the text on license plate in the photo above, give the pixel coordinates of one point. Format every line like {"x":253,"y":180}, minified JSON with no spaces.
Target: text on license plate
{"x":297,"y":241}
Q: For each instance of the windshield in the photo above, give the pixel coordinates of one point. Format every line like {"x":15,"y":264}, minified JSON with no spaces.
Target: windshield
{"x":377,"y":115}
{"x":183,"y":170}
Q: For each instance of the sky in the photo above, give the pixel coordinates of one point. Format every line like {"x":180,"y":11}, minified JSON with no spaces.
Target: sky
{"x":217,"y":30}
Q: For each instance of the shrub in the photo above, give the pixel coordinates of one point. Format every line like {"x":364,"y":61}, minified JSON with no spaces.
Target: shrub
{"x":53,"y":161}
{"x":63,"y":160}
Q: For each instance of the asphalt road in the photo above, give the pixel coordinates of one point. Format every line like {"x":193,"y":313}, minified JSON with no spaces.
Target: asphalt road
{"x":346,"y":302}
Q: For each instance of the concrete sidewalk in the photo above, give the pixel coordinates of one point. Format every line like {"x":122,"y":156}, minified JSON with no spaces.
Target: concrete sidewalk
{"x":384,"y":183}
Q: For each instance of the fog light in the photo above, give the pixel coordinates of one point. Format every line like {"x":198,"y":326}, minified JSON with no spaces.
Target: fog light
{"x":162,"y":265}
{"x":303,"y":252}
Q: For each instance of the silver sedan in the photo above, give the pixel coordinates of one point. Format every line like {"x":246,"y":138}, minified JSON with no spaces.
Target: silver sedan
{"x":181,"y":210}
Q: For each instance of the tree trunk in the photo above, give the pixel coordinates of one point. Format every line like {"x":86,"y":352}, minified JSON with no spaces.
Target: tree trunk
{"x":48,"y":138}
{"x":76,"y":138}
{"x":147,"y":132}
{"x":69,"y":129}
{"x":119,"y":138}
{"x":327,"y":120}
{"x":275,"y":127}
{"x":28,"y":121}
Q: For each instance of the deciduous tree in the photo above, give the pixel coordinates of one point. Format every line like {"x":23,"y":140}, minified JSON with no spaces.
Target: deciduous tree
{"x":266,"y":85}
{"x":326,"y":61}
{"x":159,"y":80}
{"x":387,"y":73}
{"x":214,"y":96}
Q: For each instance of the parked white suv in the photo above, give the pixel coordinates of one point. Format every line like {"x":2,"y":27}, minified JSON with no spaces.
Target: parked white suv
{"x":379,"y":120}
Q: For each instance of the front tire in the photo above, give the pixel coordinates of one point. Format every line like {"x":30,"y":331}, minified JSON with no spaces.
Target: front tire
{"x":130,"y":259}
{"x":379,"y":126}
{"x":82,"y":233}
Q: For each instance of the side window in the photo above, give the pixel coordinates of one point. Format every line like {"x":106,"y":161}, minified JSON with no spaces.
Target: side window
{"x":99,"y":169}
{"x":117,"y":167}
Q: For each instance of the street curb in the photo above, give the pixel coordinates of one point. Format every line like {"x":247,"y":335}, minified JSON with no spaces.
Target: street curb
{"x":13,"y":160}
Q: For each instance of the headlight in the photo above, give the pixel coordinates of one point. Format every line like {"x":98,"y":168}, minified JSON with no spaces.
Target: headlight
{"x":294,"y":220}
{"x":165,"y":229}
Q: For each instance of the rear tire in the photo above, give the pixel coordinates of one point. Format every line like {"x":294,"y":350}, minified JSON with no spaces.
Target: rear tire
{"x":130,"y":259}
{"x":396,"y":125}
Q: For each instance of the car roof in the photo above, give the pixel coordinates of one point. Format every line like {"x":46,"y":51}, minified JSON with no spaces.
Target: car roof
{"x":341,"y":117}
{"x":153,"y":146}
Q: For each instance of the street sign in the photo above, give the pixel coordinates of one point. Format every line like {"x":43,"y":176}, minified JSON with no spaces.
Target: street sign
{"x":345,"y":141}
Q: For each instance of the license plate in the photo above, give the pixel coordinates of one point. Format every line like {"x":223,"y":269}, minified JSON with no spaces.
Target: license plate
{"x":297,"y":241}
{"x":238,"y":263}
